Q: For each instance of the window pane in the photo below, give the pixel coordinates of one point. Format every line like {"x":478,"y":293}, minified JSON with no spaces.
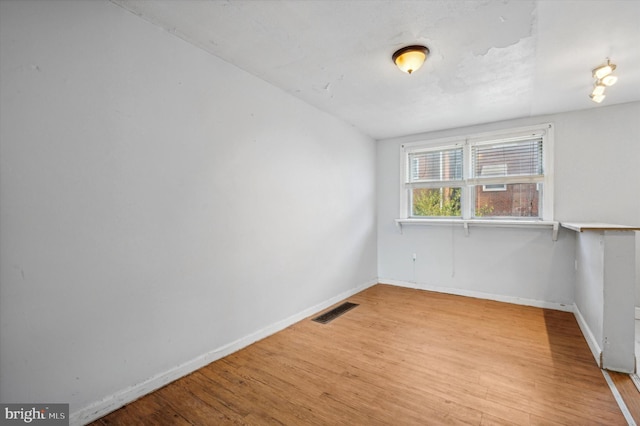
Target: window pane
{"x":515,"y":200}
{"x":436,"y":166}
{"x":435,"y":201}
{"x":522,"y":158}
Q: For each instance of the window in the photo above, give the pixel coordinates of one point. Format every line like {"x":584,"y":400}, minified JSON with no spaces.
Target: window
{"x":505,"y":175}
{"x":435,"y":181}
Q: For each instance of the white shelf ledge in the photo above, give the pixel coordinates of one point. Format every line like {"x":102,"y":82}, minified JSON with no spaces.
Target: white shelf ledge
{"x":593,"y":226}
{"x":498,"y":223}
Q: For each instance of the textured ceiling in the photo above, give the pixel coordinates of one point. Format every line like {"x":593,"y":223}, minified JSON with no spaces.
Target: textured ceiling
{"x":490,"y":60}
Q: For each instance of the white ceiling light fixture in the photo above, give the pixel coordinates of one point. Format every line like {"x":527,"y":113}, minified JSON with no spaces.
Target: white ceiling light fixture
{"x":410,"y":58}
{"x":604,"y":78}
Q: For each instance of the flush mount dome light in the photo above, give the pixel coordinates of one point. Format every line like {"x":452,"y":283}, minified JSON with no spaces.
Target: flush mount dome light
{"x":410,"y":58}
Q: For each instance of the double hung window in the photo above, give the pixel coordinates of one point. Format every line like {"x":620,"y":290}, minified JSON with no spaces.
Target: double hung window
{"x":502,"y":175}
{"x":435,"y":181}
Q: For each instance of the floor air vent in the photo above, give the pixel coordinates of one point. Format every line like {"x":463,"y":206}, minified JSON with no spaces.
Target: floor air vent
{"x":335,"y":312}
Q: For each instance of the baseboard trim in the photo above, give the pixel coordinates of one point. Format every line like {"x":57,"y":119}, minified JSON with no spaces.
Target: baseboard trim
{"x":594,"y":346}
{"x":480,"y":295}
{"x":619,"y":400}
{"x":636,"y":380}
{"x":121,"y":398}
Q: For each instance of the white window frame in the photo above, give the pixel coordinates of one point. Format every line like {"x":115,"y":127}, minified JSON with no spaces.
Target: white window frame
{"x":546,"y":212}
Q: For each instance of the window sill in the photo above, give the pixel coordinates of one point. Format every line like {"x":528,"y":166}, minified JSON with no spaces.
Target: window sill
{"x":497,"y":223}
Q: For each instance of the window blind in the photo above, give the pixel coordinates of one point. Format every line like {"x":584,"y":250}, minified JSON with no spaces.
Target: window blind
{"x":508,"y":159}
{"x":438,"y":166}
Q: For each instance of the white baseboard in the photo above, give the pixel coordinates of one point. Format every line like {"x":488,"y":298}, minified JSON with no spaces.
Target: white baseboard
{"x":594,"y":346}
{"x":113,"y":402}
{"x":480,"y":295}
{"x":636,"y":380}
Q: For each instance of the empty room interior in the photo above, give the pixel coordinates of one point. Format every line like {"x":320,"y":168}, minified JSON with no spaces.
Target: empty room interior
{"x":186,"y":185}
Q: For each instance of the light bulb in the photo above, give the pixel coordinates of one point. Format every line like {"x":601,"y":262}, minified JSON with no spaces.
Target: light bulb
{"x":603,"y":70}
{"x":609,"y":80}
{"x":598,"y":90}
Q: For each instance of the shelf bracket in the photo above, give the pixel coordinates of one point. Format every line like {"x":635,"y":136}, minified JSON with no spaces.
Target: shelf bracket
{"x":399,"y":225}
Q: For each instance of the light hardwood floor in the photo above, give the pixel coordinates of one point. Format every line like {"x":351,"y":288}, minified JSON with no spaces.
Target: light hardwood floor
{"x":403,"y":357}
{"x":629,"y":393}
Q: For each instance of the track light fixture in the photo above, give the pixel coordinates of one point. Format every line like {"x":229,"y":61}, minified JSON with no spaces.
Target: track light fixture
{"x":604,"y":78}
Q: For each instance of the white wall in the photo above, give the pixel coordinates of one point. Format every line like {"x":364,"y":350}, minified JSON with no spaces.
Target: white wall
{"x":604,"y":303}
{"x":597,"y":158}
{"x":606,"y":140}
{"x":597,"y":153}
{"x":601,"y":173}
{"x":589,"y":294}
{"x":618,"y":328}
{"x":158,"y":204}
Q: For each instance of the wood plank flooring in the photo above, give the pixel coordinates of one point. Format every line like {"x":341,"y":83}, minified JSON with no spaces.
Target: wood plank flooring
{"x":403,"y":357}
{"x":629,"y":393}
